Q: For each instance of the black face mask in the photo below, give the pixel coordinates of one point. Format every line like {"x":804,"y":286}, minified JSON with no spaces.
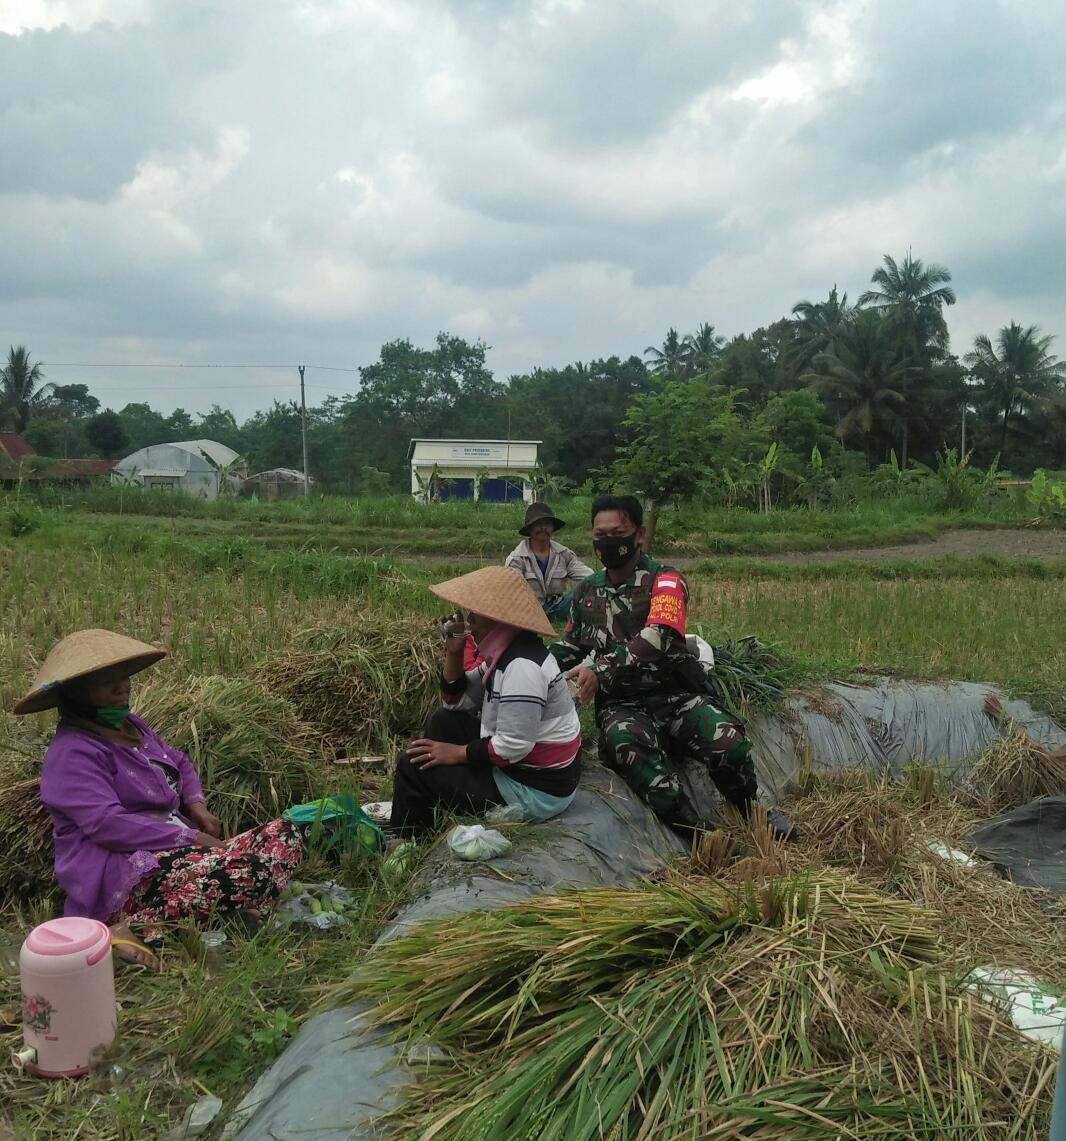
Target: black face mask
{"x":615,"y":551}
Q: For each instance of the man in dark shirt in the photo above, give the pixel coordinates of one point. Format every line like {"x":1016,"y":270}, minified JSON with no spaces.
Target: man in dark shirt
{"x":625,"y":646}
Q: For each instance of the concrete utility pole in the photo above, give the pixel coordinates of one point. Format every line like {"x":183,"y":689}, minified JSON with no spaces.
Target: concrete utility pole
{"x":303,"y":431}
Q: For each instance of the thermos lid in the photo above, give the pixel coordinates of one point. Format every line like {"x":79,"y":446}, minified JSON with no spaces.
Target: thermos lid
{"x":67,"y":936}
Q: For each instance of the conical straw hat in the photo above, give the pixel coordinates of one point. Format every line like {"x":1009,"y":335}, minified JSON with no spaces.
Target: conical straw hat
{"x":499,"y":593}
{"x":82,"y":653}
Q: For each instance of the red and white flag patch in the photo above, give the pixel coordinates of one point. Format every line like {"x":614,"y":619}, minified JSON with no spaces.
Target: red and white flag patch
{"x":668,"y":602}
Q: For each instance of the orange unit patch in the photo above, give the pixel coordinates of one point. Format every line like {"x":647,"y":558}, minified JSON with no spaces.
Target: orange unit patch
{"x":668,"y":603}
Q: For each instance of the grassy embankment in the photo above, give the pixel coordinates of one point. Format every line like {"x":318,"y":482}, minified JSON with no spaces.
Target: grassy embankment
{"x":399,"y":525}
{"x":225,"y":605}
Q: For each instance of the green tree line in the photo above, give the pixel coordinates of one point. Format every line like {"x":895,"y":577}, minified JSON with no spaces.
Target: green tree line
{"x":834,"y":386}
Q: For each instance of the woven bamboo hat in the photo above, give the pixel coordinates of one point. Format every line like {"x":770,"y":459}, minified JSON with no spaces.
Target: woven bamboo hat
{"x":83,"y":653}
{"x":499,"y":593}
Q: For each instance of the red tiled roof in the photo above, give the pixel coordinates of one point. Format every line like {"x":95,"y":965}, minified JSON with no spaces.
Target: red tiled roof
{"x":14,"y":446}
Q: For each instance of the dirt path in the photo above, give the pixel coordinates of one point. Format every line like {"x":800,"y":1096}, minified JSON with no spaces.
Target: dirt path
{"x":966,"y":544}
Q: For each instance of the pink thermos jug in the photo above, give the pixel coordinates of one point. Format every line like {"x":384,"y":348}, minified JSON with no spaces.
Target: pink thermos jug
{"x":68,"y":996}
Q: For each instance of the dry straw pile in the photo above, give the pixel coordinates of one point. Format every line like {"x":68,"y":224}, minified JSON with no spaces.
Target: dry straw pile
{"x":363,"y":685}
{"x":253,"y":752}
{"x":25,"y":832}
{"x":804,"y":1005}
{"x":758,"y":991}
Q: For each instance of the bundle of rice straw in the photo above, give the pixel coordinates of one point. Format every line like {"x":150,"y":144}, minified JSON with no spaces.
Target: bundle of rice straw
{"x":361,"y":685}
{"x":254,"y":754}
{"x":25,"y":833}
{"x":809,"y":1006}
{"x":894,"y":836}
{"x":1014,"y":770}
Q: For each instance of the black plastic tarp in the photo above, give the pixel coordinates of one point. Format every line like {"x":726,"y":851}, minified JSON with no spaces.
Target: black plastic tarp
{"x":1028,"y":844}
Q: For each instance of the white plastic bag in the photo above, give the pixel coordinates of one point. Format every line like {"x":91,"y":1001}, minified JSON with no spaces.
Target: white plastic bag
{"x":1038,"y":1011}
{"x":380,"y":811}
{"x":476,"y":842}
{"x":951,"y":855}
{"x":701,"y":649}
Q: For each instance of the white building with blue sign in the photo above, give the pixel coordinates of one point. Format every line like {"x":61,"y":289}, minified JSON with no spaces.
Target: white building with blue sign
{"x":497,"y":471}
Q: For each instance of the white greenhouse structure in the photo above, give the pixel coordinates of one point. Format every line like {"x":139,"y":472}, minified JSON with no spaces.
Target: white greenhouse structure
{"x":495,"y":471}
{"x":204,"y":468}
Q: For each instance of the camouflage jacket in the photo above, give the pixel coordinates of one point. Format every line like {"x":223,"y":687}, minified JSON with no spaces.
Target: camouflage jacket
{"x":633,"y":633}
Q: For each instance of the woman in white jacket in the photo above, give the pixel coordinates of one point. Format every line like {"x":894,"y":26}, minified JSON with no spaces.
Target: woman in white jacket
{"x":507,"y":731}
{"x":547,"y":566}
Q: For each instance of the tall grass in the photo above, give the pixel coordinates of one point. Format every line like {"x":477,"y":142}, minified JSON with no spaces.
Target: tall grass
{"x":984,"y":627}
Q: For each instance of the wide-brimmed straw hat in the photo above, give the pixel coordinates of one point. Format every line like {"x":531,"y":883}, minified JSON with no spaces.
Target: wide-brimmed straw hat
{"x":499,"y":593}
{"x":81,"y":654}
{"x":540,"y":513}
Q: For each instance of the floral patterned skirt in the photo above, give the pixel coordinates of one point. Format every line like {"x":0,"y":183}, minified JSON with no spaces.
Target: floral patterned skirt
{"x":248,"y":873}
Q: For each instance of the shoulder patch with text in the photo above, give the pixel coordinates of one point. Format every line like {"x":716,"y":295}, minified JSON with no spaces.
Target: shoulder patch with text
{"x":668,"y":602}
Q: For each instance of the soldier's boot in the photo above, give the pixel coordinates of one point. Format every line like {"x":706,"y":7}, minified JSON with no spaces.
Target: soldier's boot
{"x":780,"y":826}
{"x":686,"y":821}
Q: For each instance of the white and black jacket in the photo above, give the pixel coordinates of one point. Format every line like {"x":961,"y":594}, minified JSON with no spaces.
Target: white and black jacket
{"x":529,"y":726}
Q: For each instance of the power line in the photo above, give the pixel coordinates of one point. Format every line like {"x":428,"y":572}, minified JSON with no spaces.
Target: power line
{"x":163,"y":364}
{"x":212,"y":386}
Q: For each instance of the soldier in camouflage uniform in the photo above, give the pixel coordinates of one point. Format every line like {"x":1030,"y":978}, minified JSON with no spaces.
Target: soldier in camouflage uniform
{"x":625,"y":644}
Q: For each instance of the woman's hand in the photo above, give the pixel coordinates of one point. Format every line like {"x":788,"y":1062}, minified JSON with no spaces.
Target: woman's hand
{"x":429,"y":754}
{"x":584,"y":683}
{"x":206,"y":840}
{"x":205,"y":821}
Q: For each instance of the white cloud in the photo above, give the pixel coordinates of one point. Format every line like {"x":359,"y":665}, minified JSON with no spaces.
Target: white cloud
{"x":19,"y":16}
{"x":562,"y":179}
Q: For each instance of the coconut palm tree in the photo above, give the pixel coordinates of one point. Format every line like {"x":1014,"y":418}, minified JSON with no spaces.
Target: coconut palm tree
{"x":816,"y":325}
{"x":700,"y":350}
{"x":1016,"y":374}
{"x":670,"y":359}
{"x":863,"y":380}
{"x":913,"y":295}
{"x":21,"y":391}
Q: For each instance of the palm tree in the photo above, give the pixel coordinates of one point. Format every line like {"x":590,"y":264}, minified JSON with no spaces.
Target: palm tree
{"x":701,"y":349}
{"x":21,"y":391}
{"x":914,"y":295}
{"x":863,"y":380}
{"x":1015,"y":374}
{"x":670,"y":359}
{"x":816,"y":326}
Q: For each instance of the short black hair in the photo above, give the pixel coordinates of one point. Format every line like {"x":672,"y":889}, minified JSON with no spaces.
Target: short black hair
{"x":629,"y":505}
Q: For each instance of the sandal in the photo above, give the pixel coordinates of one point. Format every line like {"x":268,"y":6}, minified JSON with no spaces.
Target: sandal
{"x":137,"y":946}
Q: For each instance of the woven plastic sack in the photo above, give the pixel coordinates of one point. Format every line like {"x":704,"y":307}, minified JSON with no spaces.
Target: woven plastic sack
{"x":1037,"y":1010}
{"x":476,"y":842}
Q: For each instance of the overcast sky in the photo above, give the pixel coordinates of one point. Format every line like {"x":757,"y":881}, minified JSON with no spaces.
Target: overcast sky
{"x":271,"y":181}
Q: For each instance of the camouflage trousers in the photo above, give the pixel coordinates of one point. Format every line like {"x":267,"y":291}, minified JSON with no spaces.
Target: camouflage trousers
{"x":643,"y":742}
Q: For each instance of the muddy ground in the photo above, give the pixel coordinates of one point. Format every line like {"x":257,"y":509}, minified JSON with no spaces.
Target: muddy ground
{"x":1023,"y":543}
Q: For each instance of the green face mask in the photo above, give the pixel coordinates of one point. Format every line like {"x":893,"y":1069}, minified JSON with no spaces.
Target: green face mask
{"x":112,"y":715}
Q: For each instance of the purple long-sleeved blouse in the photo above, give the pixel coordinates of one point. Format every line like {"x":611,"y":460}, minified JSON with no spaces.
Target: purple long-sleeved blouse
{"x":111,"y":810}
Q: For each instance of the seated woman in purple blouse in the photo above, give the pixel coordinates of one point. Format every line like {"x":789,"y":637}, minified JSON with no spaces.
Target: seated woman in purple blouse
{"x":135,"y":843}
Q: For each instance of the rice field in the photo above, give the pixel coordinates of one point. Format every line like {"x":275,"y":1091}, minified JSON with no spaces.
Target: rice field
{"x":284,"y":655}
{"x":982,"y":627}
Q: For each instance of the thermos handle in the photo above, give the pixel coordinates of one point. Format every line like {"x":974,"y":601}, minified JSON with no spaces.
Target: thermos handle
{"x":97,"y":955}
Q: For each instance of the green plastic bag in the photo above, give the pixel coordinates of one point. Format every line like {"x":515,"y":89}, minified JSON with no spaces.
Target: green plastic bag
{"x":337,"y":822}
